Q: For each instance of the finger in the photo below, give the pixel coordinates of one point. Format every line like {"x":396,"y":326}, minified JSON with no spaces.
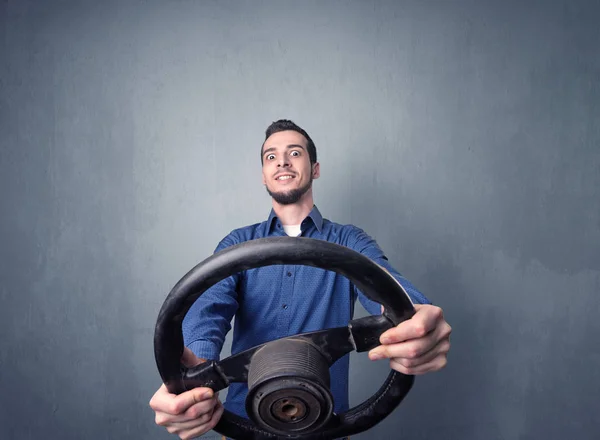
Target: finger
{"x":409,"y":349}
{"x":413,"y":348}
{"x":194,"y":412}
{"x":423,"y":322}
{"x":441,"y":349}
{"x":168,"y":403}
{"x":179,"y":427}
{"x":436,"y":364}
{"x":200,"y":430}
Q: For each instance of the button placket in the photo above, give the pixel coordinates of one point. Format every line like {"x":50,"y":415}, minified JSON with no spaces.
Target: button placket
{"x":283,"y":301}
{"x":291,"y":276}
{"x":288,"y":284}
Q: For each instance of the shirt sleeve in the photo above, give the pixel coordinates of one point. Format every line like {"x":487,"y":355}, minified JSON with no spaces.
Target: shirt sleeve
{"x":361,"y":242}
{"x":209,"y":319}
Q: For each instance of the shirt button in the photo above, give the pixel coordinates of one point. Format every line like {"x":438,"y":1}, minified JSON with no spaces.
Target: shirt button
{"x":285,"y":306}
{"x":289,"y":274}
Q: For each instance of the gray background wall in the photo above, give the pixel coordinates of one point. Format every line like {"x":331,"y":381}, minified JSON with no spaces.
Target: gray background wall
{"x":463,"y":135}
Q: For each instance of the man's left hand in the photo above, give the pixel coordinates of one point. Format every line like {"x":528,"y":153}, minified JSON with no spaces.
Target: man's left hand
{"x":418,"y":345}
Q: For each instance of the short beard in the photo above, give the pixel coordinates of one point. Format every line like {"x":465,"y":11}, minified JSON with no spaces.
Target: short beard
{"x":290,"y":197}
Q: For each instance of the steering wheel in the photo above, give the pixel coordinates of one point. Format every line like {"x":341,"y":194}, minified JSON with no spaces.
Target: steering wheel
{"x":288,"y":378}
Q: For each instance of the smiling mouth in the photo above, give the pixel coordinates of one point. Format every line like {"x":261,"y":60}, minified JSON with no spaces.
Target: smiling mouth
{"x":284,"y":177}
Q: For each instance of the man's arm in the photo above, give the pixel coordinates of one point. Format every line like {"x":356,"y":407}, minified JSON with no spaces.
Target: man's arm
{"x":209,"y":319}
{"x":361,"y":242}
{"x":418,"y":345}
{"x":197,"y":411}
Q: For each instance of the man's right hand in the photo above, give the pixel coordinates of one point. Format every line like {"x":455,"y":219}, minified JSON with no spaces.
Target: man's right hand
{"x":189,"y":414}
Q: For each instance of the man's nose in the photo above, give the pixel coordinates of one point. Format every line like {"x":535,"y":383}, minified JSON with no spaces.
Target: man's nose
{"x":283,"y":162}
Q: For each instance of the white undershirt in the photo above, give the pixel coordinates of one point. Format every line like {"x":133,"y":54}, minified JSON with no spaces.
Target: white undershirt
{"x":292,"y":230}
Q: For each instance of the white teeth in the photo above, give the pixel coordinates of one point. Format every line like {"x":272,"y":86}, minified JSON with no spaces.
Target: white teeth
{"x":284,"y":177}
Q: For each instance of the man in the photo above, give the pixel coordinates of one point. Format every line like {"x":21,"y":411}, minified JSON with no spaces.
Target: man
{"x":278,"y":301}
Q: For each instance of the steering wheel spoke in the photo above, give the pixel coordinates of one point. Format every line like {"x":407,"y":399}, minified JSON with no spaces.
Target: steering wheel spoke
{"x":366,"y":331}
{"x":208,"y":374}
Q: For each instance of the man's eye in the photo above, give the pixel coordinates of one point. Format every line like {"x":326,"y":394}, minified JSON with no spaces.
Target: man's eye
{"x":295,"y":153}
{"x":270,"y":156}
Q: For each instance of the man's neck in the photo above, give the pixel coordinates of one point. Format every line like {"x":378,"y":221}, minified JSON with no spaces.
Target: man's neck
{"x":295,"y":213}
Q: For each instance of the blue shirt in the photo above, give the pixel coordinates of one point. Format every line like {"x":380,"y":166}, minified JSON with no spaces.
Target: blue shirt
{"x":279,"y":301}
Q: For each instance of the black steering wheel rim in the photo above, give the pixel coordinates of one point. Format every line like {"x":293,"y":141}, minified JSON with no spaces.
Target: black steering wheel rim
{"x":369,"y":277}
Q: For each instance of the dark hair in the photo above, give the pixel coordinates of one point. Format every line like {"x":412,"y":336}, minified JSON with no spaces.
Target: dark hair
{"x":285,"y":125}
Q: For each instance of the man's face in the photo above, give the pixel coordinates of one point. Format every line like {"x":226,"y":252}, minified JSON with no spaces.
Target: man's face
{"x":287,"y":172}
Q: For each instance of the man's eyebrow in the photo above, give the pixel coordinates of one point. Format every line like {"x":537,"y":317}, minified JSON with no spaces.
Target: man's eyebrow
{"x":271,"y":149}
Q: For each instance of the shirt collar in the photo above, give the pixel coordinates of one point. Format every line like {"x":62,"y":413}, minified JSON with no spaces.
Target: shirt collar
{"x":314,"y":215}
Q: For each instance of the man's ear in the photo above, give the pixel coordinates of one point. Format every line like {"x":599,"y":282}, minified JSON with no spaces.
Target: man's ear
{"x":316,"y":170}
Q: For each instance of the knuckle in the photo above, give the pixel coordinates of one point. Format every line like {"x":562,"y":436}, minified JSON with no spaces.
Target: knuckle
{"x":155,"y":403}
{"x":173,"y":408}
{"x":195,"y":411}
{"x":446,"y":346}
{"x":420,"y":330}
{"x":413,"y":353}
{"x":160,"y":419}
{"x":205,"y":418}
{"x":200,"y":417}
{"x":399,"y":367}
{"x":408,"y":363}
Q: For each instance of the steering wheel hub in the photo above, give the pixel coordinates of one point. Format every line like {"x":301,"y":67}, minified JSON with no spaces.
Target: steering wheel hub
{"x":288,"y":388}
